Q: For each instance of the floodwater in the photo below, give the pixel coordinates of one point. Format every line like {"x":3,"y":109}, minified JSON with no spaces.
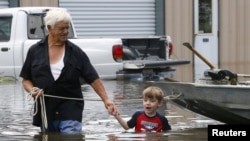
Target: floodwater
{"x":98,"y":125}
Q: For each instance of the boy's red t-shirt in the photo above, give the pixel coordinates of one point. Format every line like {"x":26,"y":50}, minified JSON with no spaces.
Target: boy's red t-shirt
{"x":143,"y":123}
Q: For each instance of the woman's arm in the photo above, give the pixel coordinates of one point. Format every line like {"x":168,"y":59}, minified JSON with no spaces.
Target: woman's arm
{"x":29,"y":87}
{"x":97,"y":85}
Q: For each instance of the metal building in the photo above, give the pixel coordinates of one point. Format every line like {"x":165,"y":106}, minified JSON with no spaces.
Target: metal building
{"x":111,"y":18}
{"x":218,"y":29}
{"x":231,"y":34}
{"x":116,"y":18}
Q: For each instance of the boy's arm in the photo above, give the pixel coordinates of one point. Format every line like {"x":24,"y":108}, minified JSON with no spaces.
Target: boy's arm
{"x":122,"y":122}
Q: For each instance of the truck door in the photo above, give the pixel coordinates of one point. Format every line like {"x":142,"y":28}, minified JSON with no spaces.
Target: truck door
{"x":6,"y":47}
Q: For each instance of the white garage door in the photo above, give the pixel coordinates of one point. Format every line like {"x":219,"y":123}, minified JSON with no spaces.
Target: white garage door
{"x":4,"y":3}
{"x":109,"y":18}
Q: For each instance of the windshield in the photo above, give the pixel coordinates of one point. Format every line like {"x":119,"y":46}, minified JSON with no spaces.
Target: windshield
{"x":36,"y":27}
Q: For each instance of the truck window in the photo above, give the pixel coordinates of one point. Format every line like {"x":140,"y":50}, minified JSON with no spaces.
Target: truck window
{"x":36,"y":27}
{"x":5,"y":28}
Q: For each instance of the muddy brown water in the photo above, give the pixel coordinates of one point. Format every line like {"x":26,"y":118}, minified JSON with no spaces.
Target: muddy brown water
{"x":98,"y":125}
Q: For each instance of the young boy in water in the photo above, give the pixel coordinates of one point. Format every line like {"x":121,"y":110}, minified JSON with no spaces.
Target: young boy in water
{"x":148,"y":120}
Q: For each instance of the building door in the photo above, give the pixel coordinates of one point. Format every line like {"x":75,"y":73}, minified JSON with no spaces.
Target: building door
{"x":205,"y":35}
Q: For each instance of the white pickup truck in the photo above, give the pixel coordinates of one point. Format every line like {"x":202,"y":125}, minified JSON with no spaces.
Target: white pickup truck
{"x":112,"y":57}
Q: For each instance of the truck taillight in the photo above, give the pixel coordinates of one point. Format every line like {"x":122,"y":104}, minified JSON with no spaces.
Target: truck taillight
{"x":117,"y":53}
{"x":170,"y":49}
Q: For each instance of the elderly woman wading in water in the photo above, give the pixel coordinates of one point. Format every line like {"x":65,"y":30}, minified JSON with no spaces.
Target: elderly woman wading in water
{"x":52,"y":70}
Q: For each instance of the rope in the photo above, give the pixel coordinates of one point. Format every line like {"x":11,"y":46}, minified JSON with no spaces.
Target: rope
{"x":61,"y":97}
{"x":40,"y":95}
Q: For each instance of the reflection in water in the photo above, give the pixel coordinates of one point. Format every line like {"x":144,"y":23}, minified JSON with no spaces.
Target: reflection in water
{"x":138,"y":137}
{"x":15,"y":116}
{"x":195,"y":134}
{"x":59,"y":137}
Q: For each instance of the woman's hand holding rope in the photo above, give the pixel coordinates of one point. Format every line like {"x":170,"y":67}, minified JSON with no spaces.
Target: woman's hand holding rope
{"x":36,"y":92}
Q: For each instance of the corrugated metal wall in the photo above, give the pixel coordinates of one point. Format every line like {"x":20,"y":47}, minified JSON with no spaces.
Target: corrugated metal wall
{"x":234,"y":27}
{"x":4,"y":3}
{"x":112,"y":17}
{"x":179,"y":25}
{"x":234,"y":35}
{"x":130,"y":18}
{"x":24,"y":3}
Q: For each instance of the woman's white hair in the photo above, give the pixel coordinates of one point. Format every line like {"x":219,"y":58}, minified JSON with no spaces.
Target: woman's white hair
{"x":56,"y":15}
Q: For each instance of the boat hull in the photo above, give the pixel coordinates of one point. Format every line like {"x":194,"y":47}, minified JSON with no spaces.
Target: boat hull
{"x":226,"y":103}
